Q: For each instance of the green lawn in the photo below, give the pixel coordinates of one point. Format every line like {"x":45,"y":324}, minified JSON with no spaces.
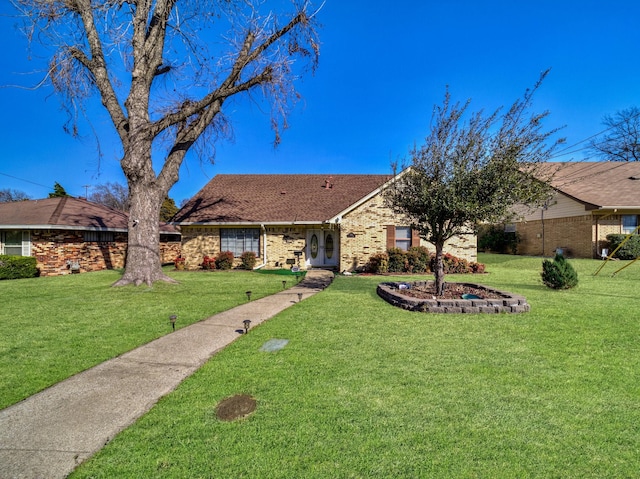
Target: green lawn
{"x":365,"y":390}
{"x":54,"y":327}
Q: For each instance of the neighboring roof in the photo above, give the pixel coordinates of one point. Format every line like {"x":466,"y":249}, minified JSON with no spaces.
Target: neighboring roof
{"x":599,"y":185}
{"x":251,"y":199}
{"x":65,"y":213}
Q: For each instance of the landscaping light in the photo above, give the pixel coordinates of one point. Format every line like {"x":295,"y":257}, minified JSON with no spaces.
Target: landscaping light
{"x":248,"y":293}
{"x":172,"y":320}
{"x":284,"y":284}
{"x":299,"y":297}
{"x":247,"y":323}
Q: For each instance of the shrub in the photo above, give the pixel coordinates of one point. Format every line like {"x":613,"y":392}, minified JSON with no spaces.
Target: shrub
{"x":559,"y":274}
{"x":495,"y":238}
{"x":248,"y":259}
{"x":630,"y":250}
{"x":455,"y":265}
{"x":378,"y":263}
{"x":418,"y":259}
{"x":224,"y":260}
{"x":16,"y":267}
{"x":208,"y":262}
{"x":477,"y":268}
{"x":397,"y":260}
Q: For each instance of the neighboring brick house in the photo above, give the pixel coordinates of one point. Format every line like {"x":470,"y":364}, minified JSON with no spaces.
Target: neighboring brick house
{"x":591,"y":200}
{"x":69,"y":234}
{"x":322,"y":221}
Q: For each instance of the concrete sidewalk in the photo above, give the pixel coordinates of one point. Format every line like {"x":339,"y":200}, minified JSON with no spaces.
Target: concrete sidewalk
{"x":49,"y":434}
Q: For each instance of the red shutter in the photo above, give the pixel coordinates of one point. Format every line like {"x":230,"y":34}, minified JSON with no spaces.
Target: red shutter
{"x":415,"y":238}
{"x":391,"y":236}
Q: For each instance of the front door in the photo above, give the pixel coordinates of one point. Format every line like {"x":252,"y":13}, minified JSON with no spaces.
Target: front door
{"x":322,"y":248}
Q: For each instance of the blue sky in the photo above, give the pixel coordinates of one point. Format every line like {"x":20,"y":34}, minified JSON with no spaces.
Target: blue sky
{"x":383,"y":66}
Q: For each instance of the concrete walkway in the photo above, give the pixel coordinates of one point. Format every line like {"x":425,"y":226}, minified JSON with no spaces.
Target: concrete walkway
{"x":49,"y":434}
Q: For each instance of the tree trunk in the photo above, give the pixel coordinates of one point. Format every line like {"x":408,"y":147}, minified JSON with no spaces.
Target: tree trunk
{"x":439,"y":269}
{"x":143,"y":251}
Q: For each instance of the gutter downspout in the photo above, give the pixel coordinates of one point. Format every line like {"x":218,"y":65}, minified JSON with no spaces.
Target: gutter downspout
{"x":264,"y":248}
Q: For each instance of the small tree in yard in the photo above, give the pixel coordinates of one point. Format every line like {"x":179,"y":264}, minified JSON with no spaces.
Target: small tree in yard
{"x":472,"y":170}
{"x":559,"y":274}
{"x":164,"y":71}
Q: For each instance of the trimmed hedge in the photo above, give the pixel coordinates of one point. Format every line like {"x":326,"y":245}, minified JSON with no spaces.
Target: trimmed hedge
{"x":630,"y":250}
{"x":16,"y":267}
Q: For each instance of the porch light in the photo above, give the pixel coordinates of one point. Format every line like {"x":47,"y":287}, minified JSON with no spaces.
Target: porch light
{"x":248,"y":293}
{"x":247,"y":324}
{"x":172,"y":320}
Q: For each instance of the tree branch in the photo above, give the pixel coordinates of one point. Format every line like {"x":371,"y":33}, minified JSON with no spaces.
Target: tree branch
{"x":230,"y":85}
{"x":97,"y":66}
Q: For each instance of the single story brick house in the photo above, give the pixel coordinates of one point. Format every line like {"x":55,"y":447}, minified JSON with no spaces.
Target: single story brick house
{"x":307,"y":220}
{"x":591,"y":200}
{"x":72,"y":235}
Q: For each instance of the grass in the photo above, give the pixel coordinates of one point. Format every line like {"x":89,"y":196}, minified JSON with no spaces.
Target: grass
{"x":366,"y":390}
{"x":54,"y":327}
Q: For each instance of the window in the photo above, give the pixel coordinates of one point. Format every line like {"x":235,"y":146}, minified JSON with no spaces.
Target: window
{"x":629,"y":224}
{"x":98,"y":236}
{"x":239,"y":240}
{"x":401,"y":237}
{"x":15,"y":243}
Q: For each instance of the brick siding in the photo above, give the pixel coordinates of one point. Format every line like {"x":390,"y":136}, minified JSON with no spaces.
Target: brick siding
{"x":54,"y":249}
{"x":579,"y":236}
{"x":367,"y":226}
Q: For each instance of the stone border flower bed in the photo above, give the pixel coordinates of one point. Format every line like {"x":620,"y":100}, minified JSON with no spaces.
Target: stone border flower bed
{"x":508,"y":302}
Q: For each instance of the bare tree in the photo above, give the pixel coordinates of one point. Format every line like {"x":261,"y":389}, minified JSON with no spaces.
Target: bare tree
{"x":7,"y":195}
{"x":621,"y":140}
{"x":472,"y":169}
{"x":113,"y":195}
{"x":164,"y":70}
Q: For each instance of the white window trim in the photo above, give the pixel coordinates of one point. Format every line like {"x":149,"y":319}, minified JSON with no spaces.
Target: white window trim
{"x":25,"y":243}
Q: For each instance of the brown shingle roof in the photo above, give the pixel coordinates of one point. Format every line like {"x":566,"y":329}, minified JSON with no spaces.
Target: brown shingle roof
{"x":277,"y":198}
{"x":65,"y":213}
{"x":602,"y":184}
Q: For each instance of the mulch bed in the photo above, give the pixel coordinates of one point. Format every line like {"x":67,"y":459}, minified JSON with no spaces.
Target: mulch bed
{"x":451,"y":291}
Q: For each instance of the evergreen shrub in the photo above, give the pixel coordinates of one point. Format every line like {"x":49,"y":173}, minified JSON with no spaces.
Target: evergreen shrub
{"x":630,"y":250}
{"x":559,"y":274}
{"x":397,"y":260}
{"x":17,"y":267}
{"x":494,"y":238}
{"x":417,"y":259}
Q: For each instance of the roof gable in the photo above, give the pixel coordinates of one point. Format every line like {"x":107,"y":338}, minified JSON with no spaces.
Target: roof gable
{"x":238,"y":199}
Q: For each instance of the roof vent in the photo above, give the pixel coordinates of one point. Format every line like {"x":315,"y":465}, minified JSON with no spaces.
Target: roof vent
{"x":327,"y":183}
{"x":634,"y":177}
